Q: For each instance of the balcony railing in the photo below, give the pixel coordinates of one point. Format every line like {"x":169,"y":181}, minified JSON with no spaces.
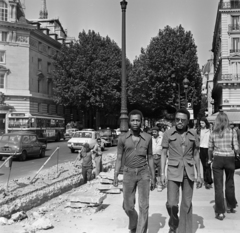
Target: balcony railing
{"x":234,"y":50}
{"x":234,"y":27}
{"x":230,"y":5}
{"x":230,"y":77}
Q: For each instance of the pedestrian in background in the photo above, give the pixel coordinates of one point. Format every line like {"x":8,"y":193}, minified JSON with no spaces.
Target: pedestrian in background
{"x":87,"y":162}
{"x":204,"y":139}
{"x":134,"y":154}
{"x":157,"y":152}
{"x":183,"y":146}
{"x":97,"y":150}
{"x":222,"y":147}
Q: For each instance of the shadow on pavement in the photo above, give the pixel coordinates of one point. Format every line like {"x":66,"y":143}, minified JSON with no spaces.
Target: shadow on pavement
{"x":155,"y":222}
{"x":198,"y":222}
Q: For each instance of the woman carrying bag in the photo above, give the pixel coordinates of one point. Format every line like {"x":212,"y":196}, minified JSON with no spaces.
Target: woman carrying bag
{"x":222,"y":147}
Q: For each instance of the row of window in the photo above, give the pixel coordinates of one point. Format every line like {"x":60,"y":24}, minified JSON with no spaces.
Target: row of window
{"x":40,"y":66}
{"x":49,"y":87}
{"x":58,"y":109}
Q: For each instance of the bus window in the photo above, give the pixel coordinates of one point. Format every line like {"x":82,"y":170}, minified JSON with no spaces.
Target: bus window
{"x":18,"y":123}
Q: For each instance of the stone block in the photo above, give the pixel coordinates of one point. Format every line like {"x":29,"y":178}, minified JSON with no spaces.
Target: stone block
{"x":3,"y":221}
{"x":113,"y":191}
{"x":87,"y":197}
{"x":19,"y":216}
{"x":103,"y":187}
{"x":106,"y":181}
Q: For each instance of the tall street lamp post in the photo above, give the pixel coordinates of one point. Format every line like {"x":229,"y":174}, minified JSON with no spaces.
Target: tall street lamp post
{"x":179,"y":97}
{"x":185,"y":85}
{"x":124,"y":112}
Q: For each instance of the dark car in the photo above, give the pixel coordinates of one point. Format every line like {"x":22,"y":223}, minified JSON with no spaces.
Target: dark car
{"x":22,"y":144}
{"x":109,"y":136}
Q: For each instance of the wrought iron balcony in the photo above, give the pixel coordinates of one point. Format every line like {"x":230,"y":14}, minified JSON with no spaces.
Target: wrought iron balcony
{"x":230,"y":77}
{"x":234,"y":50}
{"x":230,"y":5}
{"x":234,"y":27}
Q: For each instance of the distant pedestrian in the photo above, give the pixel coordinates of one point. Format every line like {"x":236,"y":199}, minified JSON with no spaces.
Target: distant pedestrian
{"x":223,"y":146}
{"x":134,"y":154}
{"x":97,"y":150}
{"x":87,"y":163}
{"x":204,"y":139}
{"x":157,"y":152}
{"x":183,"y":146}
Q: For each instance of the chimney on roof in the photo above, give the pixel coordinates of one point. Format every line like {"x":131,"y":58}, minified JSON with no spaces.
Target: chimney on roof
{"x":43,"y":11}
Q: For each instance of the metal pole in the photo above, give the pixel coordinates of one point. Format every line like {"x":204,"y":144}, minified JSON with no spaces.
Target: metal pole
{"x":179,"y":97}
{"x":186,"y":101}
{"x":57,"y":160}
{"x":124,"y":111}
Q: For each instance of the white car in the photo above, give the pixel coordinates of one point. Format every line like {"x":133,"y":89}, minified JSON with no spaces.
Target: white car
{"x":80,"y":138}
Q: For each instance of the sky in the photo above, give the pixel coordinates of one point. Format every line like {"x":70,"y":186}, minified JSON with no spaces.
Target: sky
{"x":144,"y":18}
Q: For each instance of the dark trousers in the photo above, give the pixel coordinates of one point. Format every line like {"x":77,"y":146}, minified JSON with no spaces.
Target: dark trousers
{"x":184,"y":221}
{"x":133,"y":179}
{"x":157,"y":164}
{"x":224,"y":164}
{"x":87,"y":174}
{"x":207,"y":171}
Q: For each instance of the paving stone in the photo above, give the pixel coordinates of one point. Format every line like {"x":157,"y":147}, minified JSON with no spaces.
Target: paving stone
{"x":42,"y":224}
{"x":103,"y":187}
{"x":113,"y":191}
{"x":106,"y":181}
{"x":87,"y":197}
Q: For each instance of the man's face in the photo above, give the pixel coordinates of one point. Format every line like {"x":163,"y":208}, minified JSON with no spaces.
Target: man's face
{"x":231,"y":126}
{"x":155,"y":133}
{"x":99,"y":142}
{"x":203,"y":124}
{"x":135,"y":122}
{"x":181,"y":120}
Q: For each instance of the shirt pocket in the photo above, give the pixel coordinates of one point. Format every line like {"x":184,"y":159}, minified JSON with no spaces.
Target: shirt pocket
{"x":173,"y":163}
{"x":192,"y":141}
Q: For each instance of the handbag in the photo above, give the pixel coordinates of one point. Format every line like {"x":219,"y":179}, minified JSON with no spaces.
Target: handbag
{"x":237,"y":158}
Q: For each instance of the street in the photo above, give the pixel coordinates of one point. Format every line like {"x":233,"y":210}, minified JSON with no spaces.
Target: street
{"x":31,"y":165}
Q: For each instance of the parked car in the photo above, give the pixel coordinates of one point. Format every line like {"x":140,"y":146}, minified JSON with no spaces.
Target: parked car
{"x":69,"y":132}
{"x":109,"y":136}
{"x":83,"y":136}
{"x":22,"y":144}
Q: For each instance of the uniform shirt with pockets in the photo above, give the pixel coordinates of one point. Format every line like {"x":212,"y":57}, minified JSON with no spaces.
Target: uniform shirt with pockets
{"x":135,"y":155}
{"x":178,"y":160}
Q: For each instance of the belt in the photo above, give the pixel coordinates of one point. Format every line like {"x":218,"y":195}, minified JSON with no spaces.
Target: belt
{"x":136,"y":170}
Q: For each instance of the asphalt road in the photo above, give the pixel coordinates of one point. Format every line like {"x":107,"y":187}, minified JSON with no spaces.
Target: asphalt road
{"x":31,"y":165}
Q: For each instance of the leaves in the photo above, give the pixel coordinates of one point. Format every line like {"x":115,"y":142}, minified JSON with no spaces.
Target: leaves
{"x":151,"y":81}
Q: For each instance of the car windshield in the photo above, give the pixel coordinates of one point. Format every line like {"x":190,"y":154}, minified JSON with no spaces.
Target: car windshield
{"x":105,"y":133}
{"x":11,"y":138}
{"x":82,"y":135}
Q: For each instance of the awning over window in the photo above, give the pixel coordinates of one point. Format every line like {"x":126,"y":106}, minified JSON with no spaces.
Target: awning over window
{"x":234,"y":116}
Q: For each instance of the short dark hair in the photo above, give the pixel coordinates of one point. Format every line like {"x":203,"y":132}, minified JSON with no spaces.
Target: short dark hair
{"x":184,"y":111}
{"x":135,"y":112}
{"x":98,"y":139}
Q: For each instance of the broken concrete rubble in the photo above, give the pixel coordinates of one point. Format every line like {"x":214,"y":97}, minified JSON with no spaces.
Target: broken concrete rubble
{"x":3,"y":221}
{"x":19,"y":216}
{"x":40,"y":224}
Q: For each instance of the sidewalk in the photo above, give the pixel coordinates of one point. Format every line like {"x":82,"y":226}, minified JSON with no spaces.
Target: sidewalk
{"x":112,"y":218}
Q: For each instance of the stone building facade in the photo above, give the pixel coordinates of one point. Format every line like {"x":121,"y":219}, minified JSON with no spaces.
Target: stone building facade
{"x":226,"y":50}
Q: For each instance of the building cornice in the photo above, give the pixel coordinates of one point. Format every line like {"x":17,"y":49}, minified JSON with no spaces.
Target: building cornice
{"x":22,"y":26}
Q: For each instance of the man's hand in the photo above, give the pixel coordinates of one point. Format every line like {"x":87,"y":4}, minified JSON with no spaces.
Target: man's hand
{"x":163,"y":179}
{"x":199,"y":182}
{"x":152,"y":184}
{"x":115,"y":181}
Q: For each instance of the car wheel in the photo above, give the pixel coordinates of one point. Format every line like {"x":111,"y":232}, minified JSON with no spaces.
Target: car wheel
{"x":42,"y":153}
{"x":72,"y":150}
{"x":23,"y":156}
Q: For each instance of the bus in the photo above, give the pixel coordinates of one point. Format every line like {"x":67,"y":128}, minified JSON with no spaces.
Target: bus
{"x":51,"y":128}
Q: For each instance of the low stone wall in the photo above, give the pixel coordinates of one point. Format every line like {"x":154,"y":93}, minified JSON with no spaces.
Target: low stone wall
{"x":39,"y":196}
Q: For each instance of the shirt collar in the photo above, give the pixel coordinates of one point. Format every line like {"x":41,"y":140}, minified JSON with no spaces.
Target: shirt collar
{"x":141,"y":134}
{"x":188,"y":130}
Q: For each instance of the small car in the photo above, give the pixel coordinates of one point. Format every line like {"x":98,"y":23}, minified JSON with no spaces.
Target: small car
{"x":22,"y":144}
{"x":69,"y":132}
{"x":109,"y":136}
{"x":81,"y":137}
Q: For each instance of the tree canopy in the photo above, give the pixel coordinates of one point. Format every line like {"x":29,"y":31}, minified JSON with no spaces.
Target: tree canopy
{"x":88,"y":73}
{"x":170,"y":57}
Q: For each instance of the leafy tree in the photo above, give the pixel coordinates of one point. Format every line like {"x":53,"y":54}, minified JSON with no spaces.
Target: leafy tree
{"x":88,"y":73}
{"x":170,"y":57}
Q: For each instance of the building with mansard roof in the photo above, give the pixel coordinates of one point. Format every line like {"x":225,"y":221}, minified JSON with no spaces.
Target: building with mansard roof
{"x":27,"y":48}
{"x":226,"y":50}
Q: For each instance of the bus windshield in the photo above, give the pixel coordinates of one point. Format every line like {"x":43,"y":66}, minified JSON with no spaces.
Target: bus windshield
{"x":19,"y":123}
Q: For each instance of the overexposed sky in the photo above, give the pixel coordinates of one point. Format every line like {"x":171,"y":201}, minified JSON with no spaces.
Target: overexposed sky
{"x":144,"y":19}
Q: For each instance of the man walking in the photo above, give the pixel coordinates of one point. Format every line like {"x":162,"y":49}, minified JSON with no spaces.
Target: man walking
{"x":135,"y":155}
{"x":183,"y":146}
{"x":157,"y":151}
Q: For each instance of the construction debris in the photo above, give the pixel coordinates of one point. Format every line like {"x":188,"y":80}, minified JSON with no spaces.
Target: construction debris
{"x":19,"y":216}
{"x":40,"y":224}
{"x":3,"y":221}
